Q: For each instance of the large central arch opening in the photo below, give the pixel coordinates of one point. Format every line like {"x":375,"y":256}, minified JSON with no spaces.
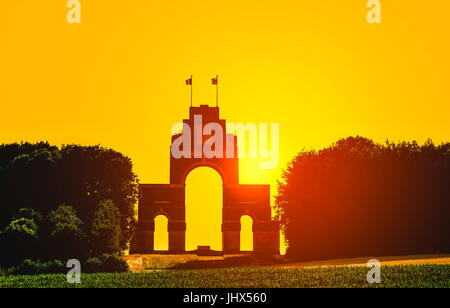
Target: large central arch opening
{"x":204,"y":193}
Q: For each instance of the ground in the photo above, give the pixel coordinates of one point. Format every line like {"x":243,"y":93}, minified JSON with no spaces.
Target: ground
{"x":397,"y":276}
{"x":233,"y":271}
{"x":142,"y":263}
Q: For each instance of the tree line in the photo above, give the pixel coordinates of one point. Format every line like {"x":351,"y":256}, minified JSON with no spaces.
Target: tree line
{"x":359,"y":198}
{"x":354,"y":198}
{"x":69,"y":202}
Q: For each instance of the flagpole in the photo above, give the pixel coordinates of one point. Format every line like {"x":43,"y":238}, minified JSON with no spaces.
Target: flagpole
{"x":191,"y":89}
{"x":217,"y":90}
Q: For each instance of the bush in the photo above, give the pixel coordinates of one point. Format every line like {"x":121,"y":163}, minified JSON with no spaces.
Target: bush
{"x":30,"y":267}
{"x":106,"y":263}
{"x":114,"y":264}
{"x":55,"y":267}
{"x":93,"y":265}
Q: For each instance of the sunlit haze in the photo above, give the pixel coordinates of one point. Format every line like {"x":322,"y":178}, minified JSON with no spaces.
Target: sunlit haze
{"x":315,"y":67}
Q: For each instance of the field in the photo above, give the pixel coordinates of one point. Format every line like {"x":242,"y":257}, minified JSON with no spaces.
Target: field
{"x":146,"y":262}
{"x":404,"y":276}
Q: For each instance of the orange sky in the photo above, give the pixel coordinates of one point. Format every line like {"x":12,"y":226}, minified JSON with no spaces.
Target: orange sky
{"x":315,"y":67}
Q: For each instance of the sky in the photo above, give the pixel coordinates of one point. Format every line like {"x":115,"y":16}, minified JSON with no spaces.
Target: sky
{"x":317,"y":68}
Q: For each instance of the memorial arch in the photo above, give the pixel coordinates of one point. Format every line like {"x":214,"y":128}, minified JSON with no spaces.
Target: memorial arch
{"x":238,"y":199}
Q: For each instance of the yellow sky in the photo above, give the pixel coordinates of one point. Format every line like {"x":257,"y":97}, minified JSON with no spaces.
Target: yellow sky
{"x":315,"y":67}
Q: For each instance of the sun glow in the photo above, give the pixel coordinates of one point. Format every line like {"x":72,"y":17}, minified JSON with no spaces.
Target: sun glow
{"x":317,"y":68}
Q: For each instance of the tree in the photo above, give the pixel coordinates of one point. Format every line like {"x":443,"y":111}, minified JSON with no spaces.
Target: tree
{"x":359,"y":198}
{"x":29,"y":214}
{"x":105,"y":233}
{"x":15,"y":183}
{"x":66,"y":237}
{"x":100,"y":174}
{"x":41,"y":177}
{"x":18,"y":242}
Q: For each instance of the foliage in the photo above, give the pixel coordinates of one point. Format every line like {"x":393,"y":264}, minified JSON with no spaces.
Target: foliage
{"x":64,"y":219}
{"x":359,"y":198}
{"x":35,"y":179}
{"x":66,"y":238}
{"x":22,"y":227}
{"x":29,"y":267}
{"x":55,"y":267}
{"x":105,"y":233}
{"x":106,"y":263}
{"x":113,"y":264}
{"x":29,"y":214}
{"x":93,"y":265}
{"x":409,"y":276}
{"x":42,"y":177}
{"x":19,"y":240}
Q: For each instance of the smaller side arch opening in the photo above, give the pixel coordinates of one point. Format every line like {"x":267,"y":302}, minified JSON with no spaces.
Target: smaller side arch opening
{"x":161,"y":235}
{"x":246,"y":236}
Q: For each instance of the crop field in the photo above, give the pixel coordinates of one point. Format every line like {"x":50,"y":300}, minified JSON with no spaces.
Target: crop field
{"x":403,"y":276}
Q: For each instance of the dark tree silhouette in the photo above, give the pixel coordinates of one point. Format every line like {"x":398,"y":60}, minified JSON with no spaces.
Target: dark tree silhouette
{"x":19,"y":241}
{"x":358,"y":198}
{"x":35,"y":179}
{"x":105,"y":233}
{"x":66,"y":239}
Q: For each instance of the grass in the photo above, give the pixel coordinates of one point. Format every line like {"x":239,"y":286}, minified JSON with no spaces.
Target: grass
{"x":408,"y":276}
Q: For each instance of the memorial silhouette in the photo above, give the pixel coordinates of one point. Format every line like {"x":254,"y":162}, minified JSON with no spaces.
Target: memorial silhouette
{"x":238,"y":199}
